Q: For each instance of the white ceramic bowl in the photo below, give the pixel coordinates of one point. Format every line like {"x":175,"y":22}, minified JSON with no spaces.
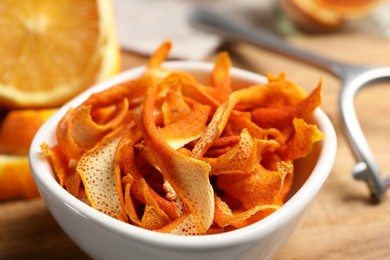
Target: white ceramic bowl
{"x":103,"y":237}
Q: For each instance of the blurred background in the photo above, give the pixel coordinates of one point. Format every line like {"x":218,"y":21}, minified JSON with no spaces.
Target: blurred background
{"x":168,"y":19}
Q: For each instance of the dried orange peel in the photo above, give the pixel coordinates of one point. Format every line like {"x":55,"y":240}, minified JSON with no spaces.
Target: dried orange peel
{"x":167,"y":153}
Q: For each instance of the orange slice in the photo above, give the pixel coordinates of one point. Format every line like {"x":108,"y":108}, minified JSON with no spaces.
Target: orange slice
{"x":52,"y":50}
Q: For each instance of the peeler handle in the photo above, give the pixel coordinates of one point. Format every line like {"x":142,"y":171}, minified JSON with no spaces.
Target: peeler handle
{"x":353,"y":78}
{"x":366,"y":168}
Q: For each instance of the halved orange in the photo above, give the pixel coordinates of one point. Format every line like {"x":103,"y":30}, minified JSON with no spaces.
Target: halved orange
{"x":350,"y":8}
{"x":17,"y":130}
{"x":15,"y":178}
{"x":52,"y":50}
{"x":326,"y":15}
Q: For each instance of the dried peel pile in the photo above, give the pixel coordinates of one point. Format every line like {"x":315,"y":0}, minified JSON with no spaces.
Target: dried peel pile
{"x":167,"y":153}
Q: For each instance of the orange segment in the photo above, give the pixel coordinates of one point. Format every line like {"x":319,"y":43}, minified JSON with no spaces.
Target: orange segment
{"x":52,"y":50}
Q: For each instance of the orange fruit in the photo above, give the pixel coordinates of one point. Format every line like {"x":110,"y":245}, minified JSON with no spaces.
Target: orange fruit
{"x":15,"y":178}
{"x":17,"y":130}
{"x":52,"y":50}
{"x":350,"y":8}
{"x":325,"y":15}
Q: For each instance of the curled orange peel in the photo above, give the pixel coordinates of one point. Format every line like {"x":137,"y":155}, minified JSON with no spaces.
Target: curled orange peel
{"x":86,"y":133}
{"x":224,"y":216}
{"x":174,"y":107}
{"x":169,"y":153}
{"x":240,"y":158}
{"x":188,"y":176}
{"x":279,"y":117}
{"x":97,"y":170}
{"x":220,"y":77}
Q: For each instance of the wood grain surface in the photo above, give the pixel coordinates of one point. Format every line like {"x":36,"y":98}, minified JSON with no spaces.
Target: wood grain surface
{"x":342,"y":224}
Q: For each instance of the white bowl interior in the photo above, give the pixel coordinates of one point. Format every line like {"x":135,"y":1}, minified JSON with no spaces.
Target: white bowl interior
{"x":311,"y":173}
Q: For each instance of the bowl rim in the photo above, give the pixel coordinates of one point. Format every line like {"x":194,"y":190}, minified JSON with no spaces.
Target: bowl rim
{"x":297,"y":203}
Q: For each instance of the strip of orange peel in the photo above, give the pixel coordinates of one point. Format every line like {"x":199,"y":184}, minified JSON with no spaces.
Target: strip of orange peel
{"x":154,"y":147}
{"x":102,"y":184}
{"x":188,"y":176}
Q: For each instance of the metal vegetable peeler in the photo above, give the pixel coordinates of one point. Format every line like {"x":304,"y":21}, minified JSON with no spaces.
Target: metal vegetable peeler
{"x":353,"y":78}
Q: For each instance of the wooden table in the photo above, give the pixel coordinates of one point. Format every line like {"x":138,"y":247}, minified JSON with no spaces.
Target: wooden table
{"x":342,"y":224}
